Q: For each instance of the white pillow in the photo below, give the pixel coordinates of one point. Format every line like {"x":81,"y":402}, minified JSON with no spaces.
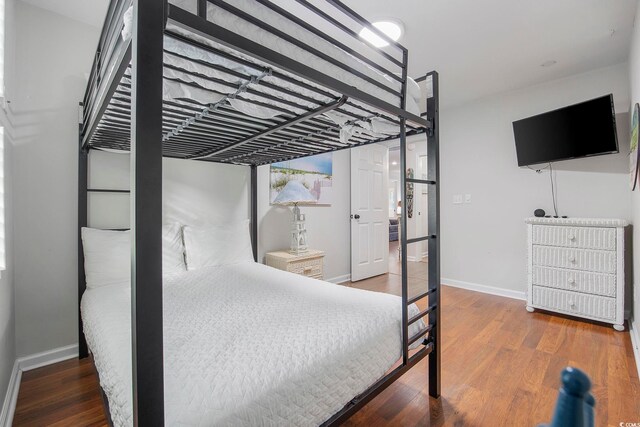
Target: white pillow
{"x":413,"y":89}
{"x":107,"y":257}
{"x":107,"y":254}
{"x":217,"y":245}
{"x":412,"y":107}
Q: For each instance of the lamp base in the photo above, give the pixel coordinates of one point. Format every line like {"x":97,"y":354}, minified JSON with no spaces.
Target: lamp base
{"x":298,"y":233}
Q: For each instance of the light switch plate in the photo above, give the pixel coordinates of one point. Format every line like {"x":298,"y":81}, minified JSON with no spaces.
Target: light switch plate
{"x":467,"y":198}
{"x":457,"y":199}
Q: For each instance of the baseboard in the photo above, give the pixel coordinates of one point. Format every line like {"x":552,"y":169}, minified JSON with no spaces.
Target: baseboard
{"x":340,"y":279}
{"x":11,"y":396}
{"x":28,"y":363}
{"x":635,"y":342}
{"x":508,"y":293}
{"x":49,"y":357}
{"x":412,"y":258}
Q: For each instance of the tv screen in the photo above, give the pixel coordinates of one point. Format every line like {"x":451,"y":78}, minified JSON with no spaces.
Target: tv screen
{"x":580,"y":130}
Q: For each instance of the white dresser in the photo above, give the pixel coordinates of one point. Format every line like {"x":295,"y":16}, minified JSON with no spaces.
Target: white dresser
{"x":576,"y":267}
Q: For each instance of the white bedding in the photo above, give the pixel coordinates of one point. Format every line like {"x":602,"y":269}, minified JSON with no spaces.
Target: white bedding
{"x":248,"y":345}
{"x":176,"y":90}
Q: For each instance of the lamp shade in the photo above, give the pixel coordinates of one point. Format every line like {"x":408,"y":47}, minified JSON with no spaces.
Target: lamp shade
{"x":292,"y":193}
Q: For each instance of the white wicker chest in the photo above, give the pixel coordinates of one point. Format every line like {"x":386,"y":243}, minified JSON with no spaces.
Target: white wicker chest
{"x":310,"y":263}
{"x":576,"y":267}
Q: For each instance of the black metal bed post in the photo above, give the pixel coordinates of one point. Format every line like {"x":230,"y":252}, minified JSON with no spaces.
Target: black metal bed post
{"x":146,"y":221}
{"x":403,"y":227}
{"x":254,"y":211}
{"x":83,"y":176}
{"x":403,"y":243}
{"x":433,"y":174}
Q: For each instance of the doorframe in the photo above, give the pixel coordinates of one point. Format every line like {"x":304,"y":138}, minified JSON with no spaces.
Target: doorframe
{"x":412,"y":144}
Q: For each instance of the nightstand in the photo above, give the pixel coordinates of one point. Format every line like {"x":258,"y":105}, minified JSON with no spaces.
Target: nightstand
{"x":310,"y":263}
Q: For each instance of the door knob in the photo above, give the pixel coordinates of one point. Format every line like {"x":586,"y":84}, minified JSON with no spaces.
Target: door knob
{"x":356,"y":216}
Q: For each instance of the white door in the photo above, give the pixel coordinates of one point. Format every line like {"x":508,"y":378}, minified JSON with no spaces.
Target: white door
{"x":369,"y":211}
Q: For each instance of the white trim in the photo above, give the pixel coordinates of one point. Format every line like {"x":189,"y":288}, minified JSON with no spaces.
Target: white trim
{"x":340,"y":279}
{"x":634,"y":332}
{"x":492,"y":290}
{"x":11,"y":397}
{"x":27,"y":363}
{"x":48,"y":357}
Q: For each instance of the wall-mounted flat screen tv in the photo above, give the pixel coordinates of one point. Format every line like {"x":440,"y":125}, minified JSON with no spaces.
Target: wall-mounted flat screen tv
{"x":580,"y":130}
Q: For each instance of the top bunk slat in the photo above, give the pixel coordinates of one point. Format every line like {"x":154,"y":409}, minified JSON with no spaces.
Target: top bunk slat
{"x":236,"y":99}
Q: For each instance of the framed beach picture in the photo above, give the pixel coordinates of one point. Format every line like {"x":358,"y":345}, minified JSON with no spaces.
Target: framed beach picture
{"x":314,"y":172}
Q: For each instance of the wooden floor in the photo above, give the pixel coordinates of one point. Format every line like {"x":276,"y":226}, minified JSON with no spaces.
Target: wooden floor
{"x":501,"y":367}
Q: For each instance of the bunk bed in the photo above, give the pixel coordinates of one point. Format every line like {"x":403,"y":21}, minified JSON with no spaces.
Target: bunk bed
{"x":247,"y":83}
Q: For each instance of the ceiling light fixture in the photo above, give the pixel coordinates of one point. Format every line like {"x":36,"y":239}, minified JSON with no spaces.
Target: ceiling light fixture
{"x":549,"y":63}
{"x":391,"y":29}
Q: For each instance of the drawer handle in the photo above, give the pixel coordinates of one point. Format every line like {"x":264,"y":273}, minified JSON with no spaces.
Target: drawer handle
{"x":572,"y":304}
{"x":572,"y":281}
{"x":572,"y":237}
{"x":307,"y":269}
{"x":572,"y":258}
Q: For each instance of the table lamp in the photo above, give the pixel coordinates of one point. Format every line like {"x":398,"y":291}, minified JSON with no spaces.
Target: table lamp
{"x":292,"y":194}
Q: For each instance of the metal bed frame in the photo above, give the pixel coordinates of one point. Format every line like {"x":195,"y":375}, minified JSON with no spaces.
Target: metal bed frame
{"x":123,"y":109}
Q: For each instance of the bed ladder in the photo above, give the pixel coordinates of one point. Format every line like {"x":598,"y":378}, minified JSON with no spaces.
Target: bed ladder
{"x":430,"y":336}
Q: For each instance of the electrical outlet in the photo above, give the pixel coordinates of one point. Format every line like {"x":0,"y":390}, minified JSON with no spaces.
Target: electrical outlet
{"x":467,"y":198}
{"x":457,"y":199}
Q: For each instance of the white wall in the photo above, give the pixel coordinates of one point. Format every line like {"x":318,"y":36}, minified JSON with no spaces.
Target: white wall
{"x":484,"y":242}
{"x":194,"y":193}
{"x":7,"y":308}
{"x":634,"y":81}
{"x":55,"y":53}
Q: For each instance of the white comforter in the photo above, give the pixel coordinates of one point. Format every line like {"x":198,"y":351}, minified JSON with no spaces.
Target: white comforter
{"x":248,"y":345}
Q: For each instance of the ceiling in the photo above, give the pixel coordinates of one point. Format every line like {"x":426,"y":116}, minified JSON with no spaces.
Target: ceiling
{"x":91,"y":12}
{"x":480,"y":47}
{"x":490,"y":46}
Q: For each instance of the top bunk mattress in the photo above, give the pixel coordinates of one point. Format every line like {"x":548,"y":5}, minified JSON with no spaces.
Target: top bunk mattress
{"x":354,"y":71}
{"x":248,"y":345}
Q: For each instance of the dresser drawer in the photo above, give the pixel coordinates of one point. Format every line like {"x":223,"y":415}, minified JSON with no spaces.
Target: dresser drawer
{"x":576,"y":259}
{"x":575,"y":237}
{"x":307,"y":267}
{"x":575,"y":280}
{"x":574,"y":303}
